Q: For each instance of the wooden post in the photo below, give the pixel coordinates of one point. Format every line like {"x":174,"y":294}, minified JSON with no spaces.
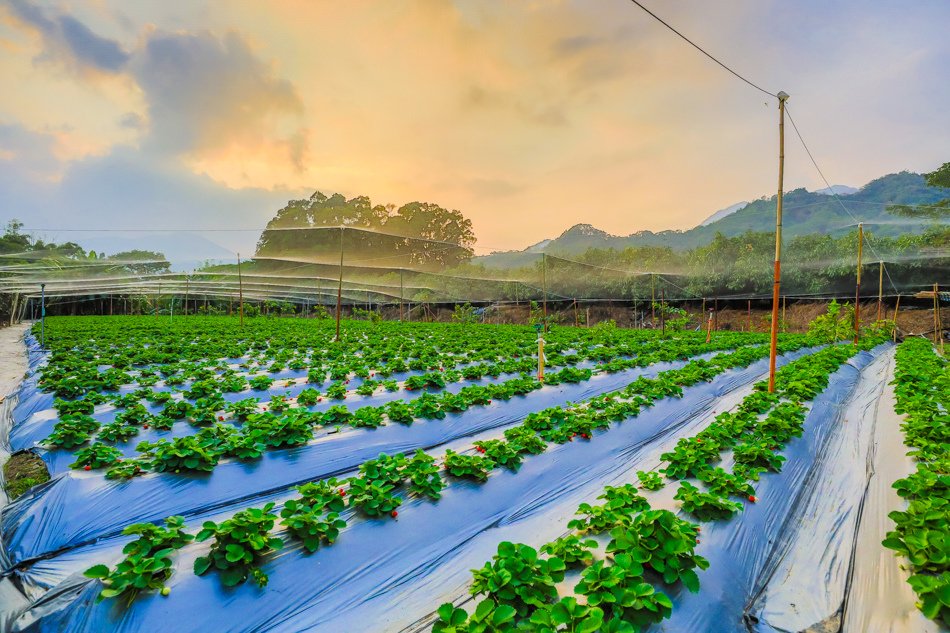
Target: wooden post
{"x":937,"y":333}
{"x":576,"y":322}
{"x":716,"y":314}
{"x":663,"y":310}
{"x":157,"y":297}
{"x":401,"y":314}
{"x":587,"y":317}
{"x":709,"y":327}
{"x":544,"y":289}
{"x":880,"y":288}
{"x":339,"y":288}
{"x":857,"y":286}
{"x":652,"y":301}
{"x":749,"y":313}
{"x":777,"y":273}
{"x":184,"y":311}
{"x":240,"y":292}
{"x":897,"y":307}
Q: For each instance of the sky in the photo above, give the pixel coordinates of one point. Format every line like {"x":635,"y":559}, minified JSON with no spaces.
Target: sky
{"x":528,"y":116}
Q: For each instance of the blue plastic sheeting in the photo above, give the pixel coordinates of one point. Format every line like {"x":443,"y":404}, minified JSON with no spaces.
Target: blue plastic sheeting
{"x":77,"y":507}
{"x":352,"y":586}
{"x":41,"y":423}
{"x":744,"y":551}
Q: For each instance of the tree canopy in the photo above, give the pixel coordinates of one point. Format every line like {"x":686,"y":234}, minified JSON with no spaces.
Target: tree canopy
{"x":415,"y":235}
{"x":939,"y":177}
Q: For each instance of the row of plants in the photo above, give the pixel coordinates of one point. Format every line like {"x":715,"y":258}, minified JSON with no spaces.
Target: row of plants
{"x":241,"y":541}
{"x":279,"y":424}
{"x":921,"y":533}
{"x":647,"y":547}
{"x":94,"y":354}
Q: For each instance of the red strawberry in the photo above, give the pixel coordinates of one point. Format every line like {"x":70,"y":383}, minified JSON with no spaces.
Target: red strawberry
{"x":87,"y":467}
{"x":220,"y":418}
{"x":752,"y":498}
{"x":144,"y":426}
{"x":394,"y":514}
{"x":319,"y":399}
{"x":342,"y":492}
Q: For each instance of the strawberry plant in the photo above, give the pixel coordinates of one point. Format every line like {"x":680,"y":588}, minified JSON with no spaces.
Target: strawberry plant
{"x":310,"y":524}
{"x":72,"y":430}
{"x":336,"y":391}
{"x":372,"y":498}
{"x":336,"y":415}
{"x":398,"y":411}
{"x":368,"y":417}
{"x":261,"y":383}
{"x":725,"y":484}
{"x":385,"y":469}
{"x":241,"y":409}
{"x":471,"y":466}
{"x":127,"y":468}
{"x":96,"y":455}
{"x":308,"y":397}
{"x":176,"y":409}
{"x":662,"y":542}
{"x":117,"y":432}
{"x":570,"y":549}
{"x":525,"y":441}
{"x":182,"y":453}
{"x":567,"y":615}
{"x":147,"y":564}
{"x":516,"y":576}
{"x":239,"y":545}
{"x":291,"y":429}
{"x":758,"y":452}
{"x":72,"y":407}
{"x":324,"y":494}
{"x":650,"y":480}
{"x":501,"y":453}
{"x":423,"y":476}
{"x":705,"y":506}
{"x":427,"y":406}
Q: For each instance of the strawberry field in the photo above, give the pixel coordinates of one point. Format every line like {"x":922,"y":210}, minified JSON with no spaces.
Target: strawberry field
{"x":420,"y":476}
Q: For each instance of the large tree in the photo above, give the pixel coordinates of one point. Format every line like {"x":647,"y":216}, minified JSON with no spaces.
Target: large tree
{"x":418,"y":234}
{"x":940,"y":177}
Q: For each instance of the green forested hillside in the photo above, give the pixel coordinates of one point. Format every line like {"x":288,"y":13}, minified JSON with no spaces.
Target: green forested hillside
{"x":805,"y":213}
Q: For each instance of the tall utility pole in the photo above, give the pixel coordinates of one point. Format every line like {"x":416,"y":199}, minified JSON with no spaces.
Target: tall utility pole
{"x":777,"y":282}
{"x":240,"y":292}
{"x":857,"y":285}
{"x":880,"y":288}
{"x":544,"y":289}
{"x":339,"y":288}
{"x":42,"y":315}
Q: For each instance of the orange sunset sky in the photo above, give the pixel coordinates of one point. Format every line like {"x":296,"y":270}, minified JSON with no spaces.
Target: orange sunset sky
{"x":528,"y":117}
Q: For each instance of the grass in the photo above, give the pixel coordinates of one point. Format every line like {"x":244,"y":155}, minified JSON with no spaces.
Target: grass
{"x":23,"y":471}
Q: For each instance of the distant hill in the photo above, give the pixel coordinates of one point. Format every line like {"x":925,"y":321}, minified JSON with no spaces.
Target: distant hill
{"x":840,"y":190}
{"x":184,"y":251}
{"x":721,"y":213}
{"x":805,"y":212}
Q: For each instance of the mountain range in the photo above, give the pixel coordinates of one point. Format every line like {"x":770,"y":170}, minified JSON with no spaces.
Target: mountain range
{"x":835,"y":212}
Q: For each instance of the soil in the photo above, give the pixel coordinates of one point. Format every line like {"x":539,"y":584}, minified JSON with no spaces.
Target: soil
{"x":23,"y":471}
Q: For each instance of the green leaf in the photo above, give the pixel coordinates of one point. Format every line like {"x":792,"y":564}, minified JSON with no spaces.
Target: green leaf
{"x":97,"y":571}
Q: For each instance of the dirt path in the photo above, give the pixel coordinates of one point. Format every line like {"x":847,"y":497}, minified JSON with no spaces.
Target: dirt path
{"x":12,"y":357}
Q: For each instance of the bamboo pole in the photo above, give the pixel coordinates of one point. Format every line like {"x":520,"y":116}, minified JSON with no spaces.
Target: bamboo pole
{"x":777,"y":273}
{"x":857,"y":286}
{"x":749,"y":313}
{"x":880,"y":288}
{"x":663,"y":310}
{"x":652,"y":301}
{"x":576,"y":321}
{"x":709,"y":327}
{"x":897,"y":308}
{"x":339,"y":288}
{"x":544,"y":289}
{"x":240,"y":292}
{"x":937,"y":333}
